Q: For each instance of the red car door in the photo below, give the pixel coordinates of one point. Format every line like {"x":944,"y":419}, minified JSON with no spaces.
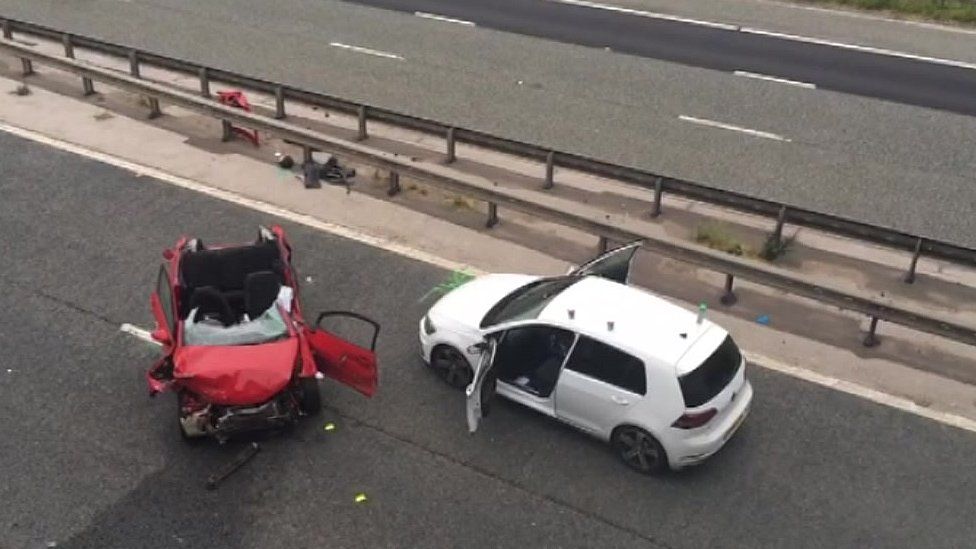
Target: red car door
{"x":343,"y":360}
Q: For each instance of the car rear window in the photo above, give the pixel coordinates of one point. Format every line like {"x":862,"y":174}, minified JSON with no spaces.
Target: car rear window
{"x":714,"y":374}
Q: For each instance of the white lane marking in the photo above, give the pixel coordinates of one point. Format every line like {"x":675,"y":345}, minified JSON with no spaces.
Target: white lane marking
{"x":138,"y":332}
{"x":757,"y":76}
{"x":234,"y":198}
{"x":870,"y":17}
{"x":860,"y":48}
{"x":436,"y":17}
{"x":367,"y":51}
{"x":385,"y":244}
{"x":650,"y":14}
{"x":773,"y":34}
{"x":866,"y":393}
{"x":740,"y":129}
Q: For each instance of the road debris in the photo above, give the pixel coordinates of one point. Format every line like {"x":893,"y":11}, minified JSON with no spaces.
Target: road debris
{"x":454,"y":281}
{"x":242,"y":458}
{"x":329,"y":426}
{"x":361,"y":498}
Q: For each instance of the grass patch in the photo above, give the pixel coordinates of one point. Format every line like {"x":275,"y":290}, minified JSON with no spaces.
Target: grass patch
{"x":718,"y":237}
{"x":957,"y":11}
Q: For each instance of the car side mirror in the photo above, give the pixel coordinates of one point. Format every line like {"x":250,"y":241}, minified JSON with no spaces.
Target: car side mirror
{"x":477,"y":348}
{"x":167,"y":254}
{"x":161,"y":335}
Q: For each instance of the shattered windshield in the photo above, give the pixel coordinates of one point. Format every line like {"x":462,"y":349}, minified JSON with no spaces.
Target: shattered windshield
{"x":270,"y":326}
{"x":527,"y":301}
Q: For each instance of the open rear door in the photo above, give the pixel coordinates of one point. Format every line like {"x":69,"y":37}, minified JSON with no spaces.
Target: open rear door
{"x":482,"y":388}
{"x":342,"y":360}
{"x":614,"y":264}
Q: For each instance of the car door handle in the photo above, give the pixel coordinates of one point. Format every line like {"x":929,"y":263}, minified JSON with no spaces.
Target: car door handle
{"x":620,"y":400}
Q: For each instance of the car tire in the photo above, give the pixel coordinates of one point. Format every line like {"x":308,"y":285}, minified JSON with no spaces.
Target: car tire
{"x":639,"y":450}
{"x":310,"y":400}
{"x":451,"y":366}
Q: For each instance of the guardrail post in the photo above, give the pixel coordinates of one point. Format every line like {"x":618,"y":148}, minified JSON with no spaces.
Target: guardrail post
{"x":362,"y":123}
{"x":204,"y":82}
{"x":871,"y":339}
{"x":451,"y":156}
{"x":27,"y":66}
{"x":279,"y":102}
{"x":780,"y":221}
{"x":8,"y":31}
{"x":729,"y":298}
{"x":154,"y":110}
{"x":550,"y":169}
{"x":603,"y":244}
{"x":306,"y":154}
{"x":658,"y":192}
{"x":134,"y":63}
{"x":227,"y":131}
{"x":492,"y":215}
{"x":910,"y":276}
{"x":394,"y":184}
{"x":69,"y":52}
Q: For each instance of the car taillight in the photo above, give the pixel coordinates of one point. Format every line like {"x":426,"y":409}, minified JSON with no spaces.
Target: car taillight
{"x":693,"y":420}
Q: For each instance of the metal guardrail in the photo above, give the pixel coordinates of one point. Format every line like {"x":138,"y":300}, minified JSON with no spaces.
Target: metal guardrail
{"x":659,"y":184}
{"x":446,"y":177}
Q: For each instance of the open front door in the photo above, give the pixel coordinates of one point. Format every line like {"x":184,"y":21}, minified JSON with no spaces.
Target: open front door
{"x":163,"y":310}
{"x":614,"y":264}
{"x":482,"y":388}
{"x":342,"y":360}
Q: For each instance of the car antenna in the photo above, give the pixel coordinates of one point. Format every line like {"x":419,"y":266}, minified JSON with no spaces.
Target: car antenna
{"x":701,"y":312}
{"x":610,"y":325}
{"x":572,"y":313}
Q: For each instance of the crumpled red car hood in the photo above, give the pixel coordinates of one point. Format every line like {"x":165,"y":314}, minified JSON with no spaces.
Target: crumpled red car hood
{"x":236,"y":375}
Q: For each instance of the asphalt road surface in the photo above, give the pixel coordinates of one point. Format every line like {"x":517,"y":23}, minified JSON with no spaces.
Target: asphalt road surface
{"x":869,"y":74}
{"x":89,"y":460}
{"x":879,"y":162}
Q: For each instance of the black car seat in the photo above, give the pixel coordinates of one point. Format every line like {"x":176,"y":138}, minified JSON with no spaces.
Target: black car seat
{"x":260,"y":291}
{"x":210,"y":302}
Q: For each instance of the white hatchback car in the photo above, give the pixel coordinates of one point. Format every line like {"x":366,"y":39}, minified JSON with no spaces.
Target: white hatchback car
{"x":666,"y":387}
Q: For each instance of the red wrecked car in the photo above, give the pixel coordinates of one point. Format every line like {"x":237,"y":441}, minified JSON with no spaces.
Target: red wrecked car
{"x":237,"y":350}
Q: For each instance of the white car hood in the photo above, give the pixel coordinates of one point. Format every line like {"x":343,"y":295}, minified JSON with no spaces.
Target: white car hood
{"x":464,"y":307}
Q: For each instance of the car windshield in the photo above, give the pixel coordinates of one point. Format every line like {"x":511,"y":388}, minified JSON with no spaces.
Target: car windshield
{"x":527,"y":301}
{"x":270,"y":326}
{"x":704,"y":382}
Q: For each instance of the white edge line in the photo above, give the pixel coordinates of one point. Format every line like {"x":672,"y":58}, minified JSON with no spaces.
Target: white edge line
{"x":757,"y":76}
{"x":866,"y":393}
{"x":773,"y":34}
{"x":740,"y":129}
{"x":649,"y":14}
{"x":857,"y":47}
{"x":412,"y":253}
{"x":138,"y":332}
{"x":229,"y":196}
{"x":435,"y":17}
{"x":367,"y":51}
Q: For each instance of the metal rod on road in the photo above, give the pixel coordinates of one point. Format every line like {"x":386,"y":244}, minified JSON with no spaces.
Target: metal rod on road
{"x":910,"y":276}
{"x":204,"y":74}
{"x":492,"y":215}
{"x":871,"y":339}
{"x":780,"y":221}
{"x":451,"y":156}
{"x":279,"y":103}
{"x":362,"y":124}
{"x":550,"y":169}
{"x":134,"y":63}
{"x":658,"y":192}
{"x":394,"y":184}
{"x":729,"y":298}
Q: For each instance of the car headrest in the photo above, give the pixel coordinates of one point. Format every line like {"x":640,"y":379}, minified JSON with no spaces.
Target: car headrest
{"x":260,"y":291}
{"x":209,"y":300}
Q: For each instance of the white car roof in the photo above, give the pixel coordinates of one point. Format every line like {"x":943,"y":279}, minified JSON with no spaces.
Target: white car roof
{"x":643,"y":324}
